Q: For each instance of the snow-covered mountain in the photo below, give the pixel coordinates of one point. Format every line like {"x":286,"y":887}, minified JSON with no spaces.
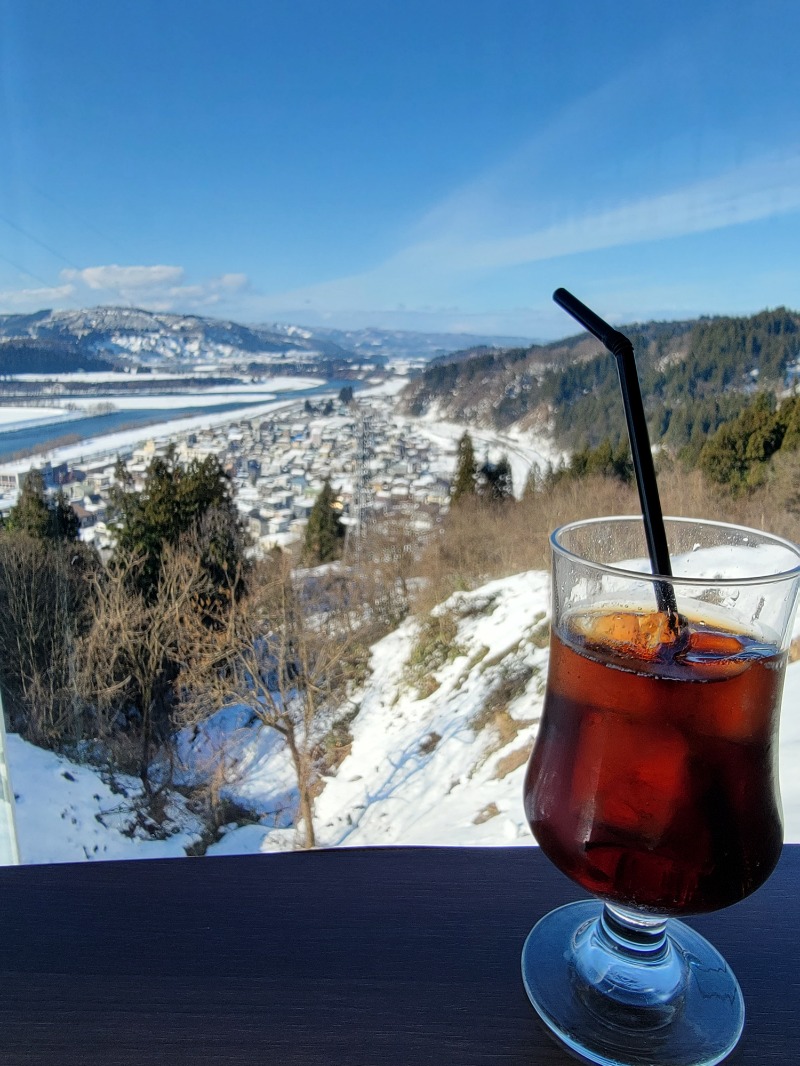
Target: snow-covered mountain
{"x":440,"y":737}
{"x":135,"y":336}
{"x":138,"y":336}
{"x":406,"y":344}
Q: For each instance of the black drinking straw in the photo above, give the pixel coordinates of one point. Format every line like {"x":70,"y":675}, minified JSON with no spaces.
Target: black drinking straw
{"x":622,"y":350}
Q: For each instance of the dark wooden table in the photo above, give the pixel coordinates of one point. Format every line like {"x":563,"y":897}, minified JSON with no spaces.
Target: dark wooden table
{"x":371,"y":956}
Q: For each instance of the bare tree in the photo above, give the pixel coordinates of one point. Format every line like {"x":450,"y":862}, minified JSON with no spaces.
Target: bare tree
{"x":43,"y":591}
{"x":130,"y":656}
{"x":289,"y":651}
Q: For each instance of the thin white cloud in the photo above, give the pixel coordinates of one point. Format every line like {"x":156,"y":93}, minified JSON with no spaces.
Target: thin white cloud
{"x":126,"y":278}
{"x":232,"y":282}
{"x":160,"y":287}
{"x":34,"y":299}
{"x":432,"y":270}
{"x":763,"y":189}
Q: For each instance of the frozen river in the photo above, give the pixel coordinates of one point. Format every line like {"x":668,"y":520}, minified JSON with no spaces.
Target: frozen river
{"x":54,"y":431}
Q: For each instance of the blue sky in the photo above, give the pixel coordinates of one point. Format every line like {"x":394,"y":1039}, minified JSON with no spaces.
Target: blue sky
{"x":438,"y":165}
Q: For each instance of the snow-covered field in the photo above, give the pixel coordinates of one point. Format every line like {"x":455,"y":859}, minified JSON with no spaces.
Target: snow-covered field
{"x":174,"y":401}
{"x":260,"y":398}
{"x":523,"y":450}
{"x":437,"y":756}
{"x":101,"y":377}
{"x":107,"y":377}
{"x":219,"y":394}
{"x":26,"y":417}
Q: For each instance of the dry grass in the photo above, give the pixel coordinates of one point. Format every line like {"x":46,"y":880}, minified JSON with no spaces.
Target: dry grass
{"x":337,"y":743}
{"x":435,"y":645}
{"x":505,"y":729}
{"x":773,"y":506}
{"x":512,"y":761}
{"x":478,"y":542}
{"x":512,"y":681}
{"x":491,"y":810}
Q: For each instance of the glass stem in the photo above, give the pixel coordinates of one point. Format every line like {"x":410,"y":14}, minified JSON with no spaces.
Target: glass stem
{"x":630,"y":932}
{"x":625,"y":957}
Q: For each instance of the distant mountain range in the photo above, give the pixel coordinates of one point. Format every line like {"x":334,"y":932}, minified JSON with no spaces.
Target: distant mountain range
{"x":107,"y":337}
{"x":405,"y":344}
{"x":694,"y":374}
{"x":124,"y":337}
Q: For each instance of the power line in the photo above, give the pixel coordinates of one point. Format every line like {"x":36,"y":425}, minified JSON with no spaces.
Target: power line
{"x":24,"y":270}
{"x":71,"y":213}
{"x":41,"y":244}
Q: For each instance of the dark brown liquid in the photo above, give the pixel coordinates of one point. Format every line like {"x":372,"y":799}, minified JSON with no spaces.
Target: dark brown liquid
{"x":653,"y":781}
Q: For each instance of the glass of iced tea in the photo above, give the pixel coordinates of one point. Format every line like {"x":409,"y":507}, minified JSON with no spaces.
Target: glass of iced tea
{"x":653,"y":781}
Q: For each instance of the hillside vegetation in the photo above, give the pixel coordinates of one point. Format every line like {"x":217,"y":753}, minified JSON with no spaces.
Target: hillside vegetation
{"x":45,"y":356}
{"x":694,"y":377}
{"x":429,"y":740}
{"x":136,"y":663}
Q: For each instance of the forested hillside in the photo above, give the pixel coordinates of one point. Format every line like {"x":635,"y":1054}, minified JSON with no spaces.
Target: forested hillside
{"x":694,"y":375}
{"x":45,"y":356}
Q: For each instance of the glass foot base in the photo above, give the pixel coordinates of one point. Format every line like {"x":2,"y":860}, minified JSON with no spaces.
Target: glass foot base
{"x":677,"y":1005}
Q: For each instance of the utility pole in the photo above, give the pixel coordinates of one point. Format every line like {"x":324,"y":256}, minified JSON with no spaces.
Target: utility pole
{"x":361,"y":494}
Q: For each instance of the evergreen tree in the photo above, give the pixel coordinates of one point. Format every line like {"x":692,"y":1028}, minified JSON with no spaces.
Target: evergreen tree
{"x":122,"y":474}
{"x":622,"y":464}
{"x":605,"y":460}
{"x":504,"y":481}
{"x":465,"y":481}
{"x":790,"y":416}
{"x":732,"y":455}
{"x":495,"y":480}
{"x":40,"y":517}
{"x":177,"y":500}
{"x":325,"y":530}
{"x":31,"y":513}
{"x":64,"y":523}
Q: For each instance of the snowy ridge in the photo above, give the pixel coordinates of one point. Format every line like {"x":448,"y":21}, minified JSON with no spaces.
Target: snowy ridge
{"x":138,"y":335}
{"x":440,"y":737}
{"x":433,"y":769}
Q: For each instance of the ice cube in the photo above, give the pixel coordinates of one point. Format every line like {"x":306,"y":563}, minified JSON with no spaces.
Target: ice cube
{"x":646,"y":635}
{"x":711,"y":644}
{"x":592,"y":677}
{"x":737,"y":700}
{"x":630,"y":774}
{"x":712,"y":655}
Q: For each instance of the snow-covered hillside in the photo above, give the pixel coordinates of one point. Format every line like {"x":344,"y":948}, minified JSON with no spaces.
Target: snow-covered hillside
{"x":140,"y":336}
{"x":135,"y":335}
{"x":440,"y":736}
